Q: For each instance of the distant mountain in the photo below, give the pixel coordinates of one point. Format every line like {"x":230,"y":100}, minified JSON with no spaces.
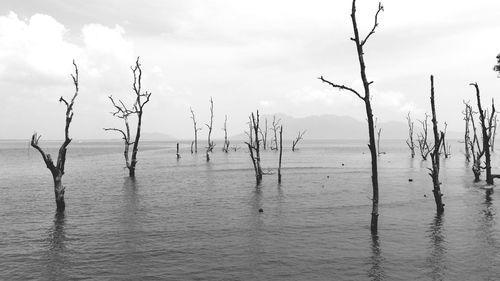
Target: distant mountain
{"x":338,"y":127}
{"x":155,"y":136}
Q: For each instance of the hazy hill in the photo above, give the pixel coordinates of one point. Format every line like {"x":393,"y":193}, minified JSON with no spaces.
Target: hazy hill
{"x":338,"y":127}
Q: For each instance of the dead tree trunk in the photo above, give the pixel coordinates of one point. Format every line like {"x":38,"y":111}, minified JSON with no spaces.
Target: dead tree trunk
{"x":122,"y":112}
{"x":177,"y":154}
{"x":409,"y":141}
{"x":276,"y":125}
{"x":196,"y":129}
{"x":57,"y":170}
{"x":475,"y":148}
{"x":210,"y":144}
{"x":423,"y":144}
{"x":254,"y":146}
{"x":225,"y":148}
{"x":263,"y":134}
{"x":438,"y":138}
{"x":297,"y":139}
{"x":367,"y":100}
{"x":467,"y":130}
{"x":486,"y":133}
{"x":281,"y":153}
{"x":444,"y":145}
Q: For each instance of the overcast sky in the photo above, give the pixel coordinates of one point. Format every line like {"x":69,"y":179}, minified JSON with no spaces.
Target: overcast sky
{"x":247,"y":55}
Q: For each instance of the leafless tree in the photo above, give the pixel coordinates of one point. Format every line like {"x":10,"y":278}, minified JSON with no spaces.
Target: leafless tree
{"x":225,"y":148}
{"x":445,"y":146}
{"x":497,"y":66}
{"x":281,"y":153}
{"x":210,"y":143}
{"x":275,"y":126}
{"x":486,"y":130}
{"x":409,"y":141}
{"x":434,"y":171}
{"x":196,"y":129}
{"x":263,"y":134}
{"x":366,"y":98}
{"x":299,"y":137}
{"x":423,"y":144}
{"x":467,"y":118}
{"x":57,"y":170}
{"x":141,"y":99}
{"x":254,"y":146}
{"x":475,"y":147}
{"x":122,"y":112}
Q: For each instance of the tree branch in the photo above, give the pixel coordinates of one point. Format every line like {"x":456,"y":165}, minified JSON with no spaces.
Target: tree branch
{"x":380,"y":8}
{"x":341,"y":87}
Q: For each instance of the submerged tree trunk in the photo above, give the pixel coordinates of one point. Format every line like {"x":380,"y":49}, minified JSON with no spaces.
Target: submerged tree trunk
{"x":254,"y":146}
{"x":281,"y":153}
{"x":435,"y":155}
{"x":485,"y":126}
{"x":57,"y":169}
{"x":369,"y":112}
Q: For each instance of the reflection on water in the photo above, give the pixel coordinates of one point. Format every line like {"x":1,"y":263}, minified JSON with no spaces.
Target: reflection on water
{"x":56,"y":248}
{"x":438,"y":248}
{"x":376,"y":272}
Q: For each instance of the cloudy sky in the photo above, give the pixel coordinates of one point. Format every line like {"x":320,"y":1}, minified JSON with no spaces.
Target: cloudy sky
{"x":247,"y":55}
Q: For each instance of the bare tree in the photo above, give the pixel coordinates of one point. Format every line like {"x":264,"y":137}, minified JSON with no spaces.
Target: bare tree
{"x":57,"y":170}
{"x":423,"y":144}
{"x":467,"y":118}
{"x":297,"y":139}
{"x":434,"y":172}
{"x":497,"y":66}
{"x":475,"y":147}
{"x":254,"y":146}
{"x":263,"y":134}
{"x":281,"y":153}
{"x":210,"y":143}
{"x":123,"y":113}
{"x":141,"y":99}
{"x":409,"y":141}
{"x":492,"y":141}
{"x":445,"y":146}
{"x":366,"y":98}
{"x":225,"y":148}
{"x":486,"y":130}
{"x":275,"y":126}
{"x":196,"y":129}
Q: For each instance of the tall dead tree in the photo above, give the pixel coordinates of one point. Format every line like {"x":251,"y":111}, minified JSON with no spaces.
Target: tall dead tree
{"x":254,"y":146}
{"x":366,"y":98}
{"x":196,"y":129}
{"x":299,"y":137}
{"x":486,"y":130}
{"x":225,"y":148}
{"x":57,"y":170}
{"x":141,"y":99}
{"x":409,"y":141}
{"x":263,"y":134}
{"x":475,"y":147}
{"x":210,"y":143}
{"x":275,"y":126}
{"x":423,"y":144}
{"x":122,"y":112}
{"x":446,"y":147}
{"x":438,"y":138}
{"x":281,"y":153}
{"x":467,"y":118}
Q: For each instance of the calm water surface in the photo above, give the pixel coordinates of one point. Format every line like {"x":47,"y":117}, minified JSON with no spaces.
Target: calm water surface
{"x":192,"y":220}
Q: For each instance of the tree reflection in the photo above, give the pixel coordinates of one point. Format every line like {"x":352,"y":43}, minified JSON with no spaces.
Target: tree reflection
{"x":56,"y":248}
{"x":376,"y":272}
{"x":438,"y":244}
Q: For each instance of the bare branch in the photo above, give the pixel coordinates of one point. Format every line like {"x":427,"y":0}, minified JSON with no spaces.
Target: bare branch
{"x":380,"y":8}
{"x":341,"y":87}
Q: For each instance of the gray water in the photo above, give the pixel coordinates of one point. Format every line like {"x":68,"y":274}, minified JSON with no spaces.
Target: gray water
{"x":192,"y":220}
